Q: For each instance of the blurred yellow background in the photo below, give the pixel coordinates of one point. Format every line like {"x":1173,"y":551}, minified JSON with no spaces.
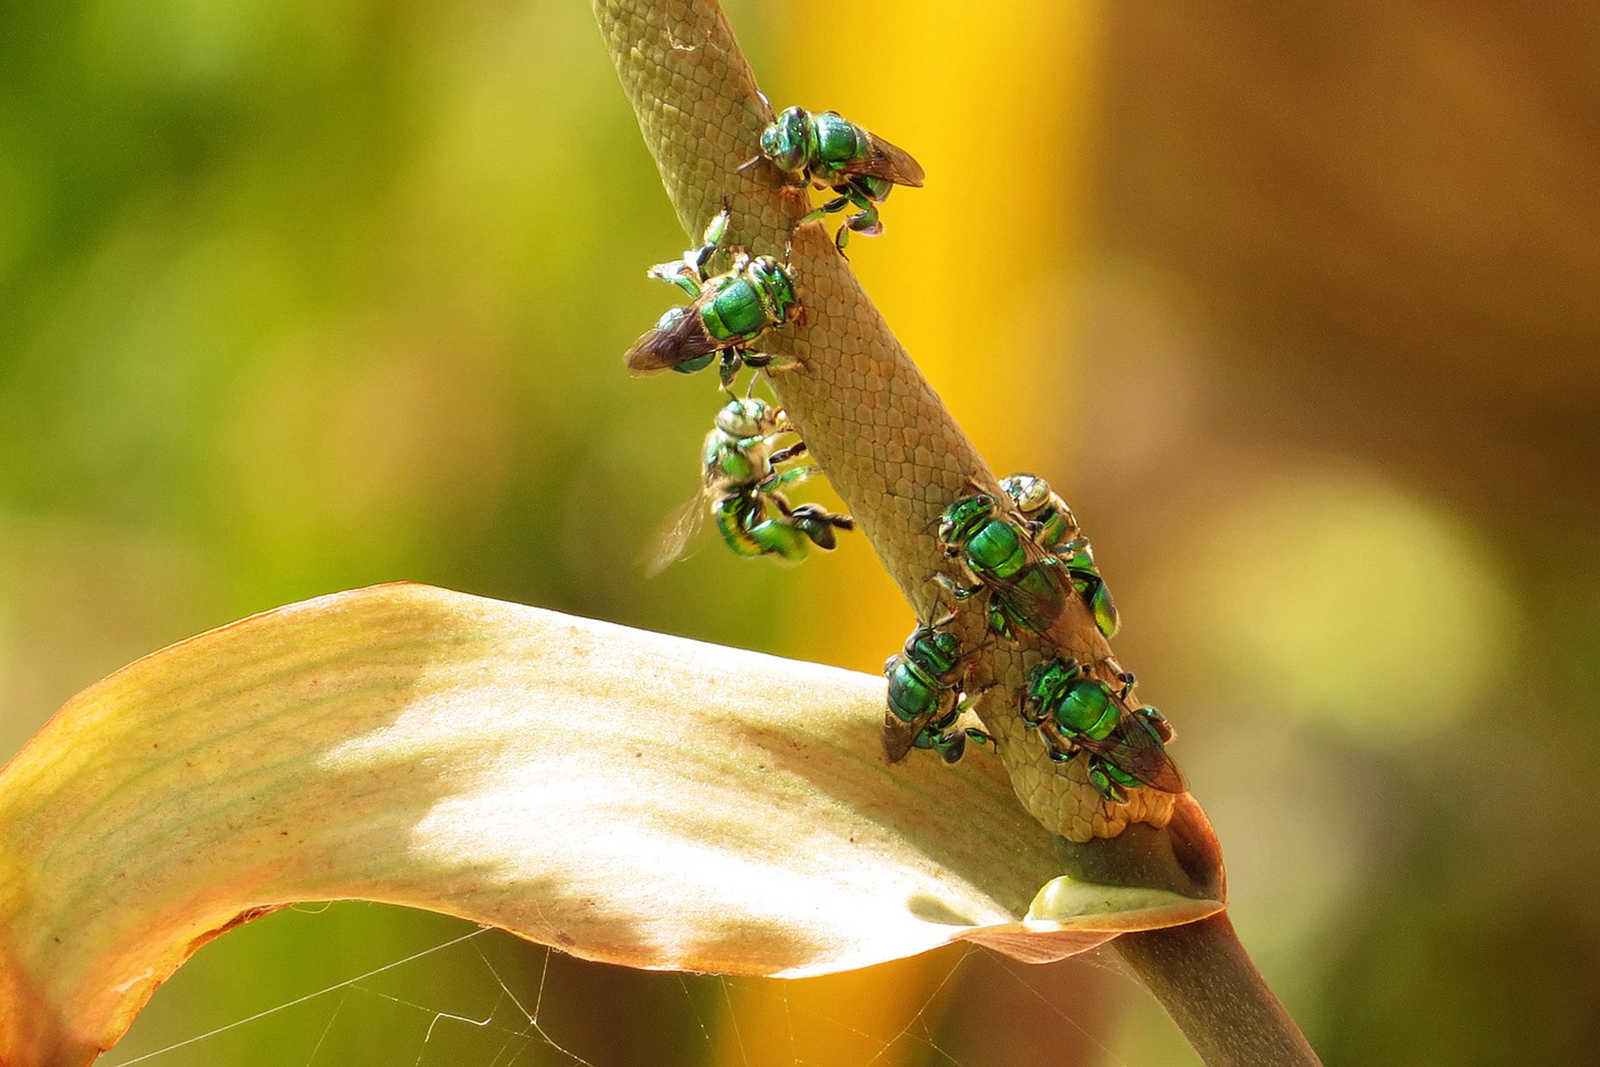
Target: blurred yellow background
{"x":1298,"y":308}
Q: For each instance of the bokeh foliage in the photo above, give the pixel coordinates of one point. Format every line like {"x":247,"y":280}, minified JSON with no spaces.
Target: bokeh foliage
{"x":1297,"y":312}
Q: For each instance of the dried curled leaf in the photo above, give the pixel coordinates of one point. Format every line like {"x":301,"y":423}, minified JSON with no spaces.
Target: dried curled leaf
{"x":621,"y":795}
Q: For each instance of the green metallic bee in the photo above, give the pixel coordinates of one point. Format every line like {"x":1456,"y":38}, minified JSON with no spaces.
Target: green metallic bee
{"x":742,"y":489}
{"x":925,"y":696}
{"x":1126,"y":748}
{"x":1055,"y":529}
{"x":834,"y":153}
{"x":730,"y":311}
{"x":1026,"y":586}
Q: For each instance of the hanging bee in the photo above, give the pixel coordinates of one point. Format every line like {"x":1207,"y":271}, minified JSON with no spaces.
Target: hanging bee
{"x":742,"y":489}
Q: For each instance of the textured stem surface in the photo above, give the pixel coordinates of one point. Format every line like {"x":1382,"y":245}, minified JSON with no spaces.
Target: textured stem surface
{"x":1206,"y":982}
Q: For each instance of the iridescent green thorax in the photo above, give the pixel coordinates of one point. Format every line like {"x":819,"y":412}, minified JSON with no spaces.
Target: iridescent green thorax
{"x":836,"y":144}
{"x":727,"y":463}
{"x":936,"y":651}
{"x":735,"y":311}
{"x":995,"y":549}
{"x":1080,"y":707}
{"x":911,"y":691}
{"x":1086,"y":709}
{"x":747,"y":300}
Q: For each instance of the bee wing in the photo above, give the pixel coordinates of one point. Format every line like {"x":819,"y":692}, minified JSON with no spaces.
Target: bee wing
{"x":898,"y":736}
{"x":1033,"y":596}
{"x":674,"y":535}
{"x":890,"y":163}
{"x":1137,"y":748}
{"x":675,"y":339}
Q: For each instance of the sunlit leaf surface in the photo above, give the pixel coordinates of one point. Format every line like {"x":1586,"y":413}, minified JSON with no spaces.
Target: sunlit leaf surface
{"x":622,"y":795}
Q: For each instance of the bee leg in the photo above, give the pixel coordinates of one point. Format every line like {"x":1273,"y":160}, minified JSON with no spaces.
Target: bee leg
{"x":818,"y":524}
{"x":969,"y":699}
{"x":1128,"y":680}
{"x":950,"y":744}
{"x":783,"y":455}
{"x":838,"y":203}
{"x":978,"y":737}
{"x":1000,"y":623}
{"x":1110,"y":779}
{"x":762,"y":536}
{"x":1158,"y":723}
{"x":866,"y":222}
{"x":681,"y":273}
{"x":772,"y":484}
{"x":957,"y":592}
{"x":716,"y":229}
{"x":768,"y":362}
{"x":1102,"y":781}
{"x":828,"y":208}
{"x":817,"y":513}
{"x":728,"y":368}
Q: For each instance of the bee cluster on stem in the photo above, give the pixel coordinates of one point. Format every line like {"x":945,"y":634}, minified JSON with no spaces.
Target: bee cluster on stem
{"x":1017,"y":557}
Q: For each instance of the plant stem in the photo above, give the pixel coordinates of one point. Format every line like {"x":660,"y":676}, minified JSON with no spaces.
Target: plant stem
{"x":1204,"y":979}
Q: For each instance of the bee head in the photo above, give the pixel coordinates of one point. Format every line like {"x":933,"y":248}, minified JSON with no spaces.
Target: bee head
{"x":1028,"y":491}
{"x":775,"y":284}
{"x":748,"y":416}
{"x":784,"y":141}
{"x":963,"y":519}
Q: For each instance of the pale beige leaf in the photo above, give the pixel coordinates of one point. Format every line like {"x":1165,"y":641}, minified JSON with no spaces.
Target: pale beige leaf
{"x":622,"y":795}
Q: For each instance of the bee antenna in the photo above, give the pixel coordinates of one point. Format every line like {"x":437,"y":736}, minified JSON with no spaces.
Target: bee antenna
{"x":747,"y":164}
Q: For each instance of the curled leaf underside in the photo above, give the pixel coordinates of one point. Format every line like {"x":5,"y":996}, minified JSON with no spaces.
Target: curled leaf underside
{"x":621,"y":795}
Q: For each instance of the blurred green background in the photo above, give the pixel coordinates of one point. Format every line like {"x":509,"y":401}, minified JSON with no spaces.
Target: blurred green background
{"x":1298,"y":306}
